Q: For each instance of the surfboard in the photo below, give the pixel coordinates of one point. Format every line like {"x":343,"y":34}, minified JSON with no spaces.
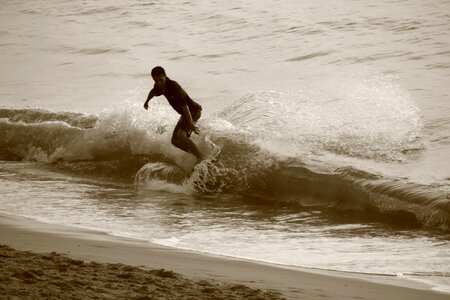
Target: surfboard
{"x":161,"y":171}
{"x":173,"y":172}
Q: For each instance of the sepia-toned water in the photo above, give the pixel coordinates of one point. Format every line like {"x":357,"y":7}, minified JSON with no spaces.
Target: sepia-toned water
{"x":327,"y":125}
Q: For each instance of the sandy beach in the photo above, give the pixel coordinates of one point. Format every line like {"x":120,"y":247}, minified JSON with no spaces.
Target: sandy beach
{"x":47,"y":261}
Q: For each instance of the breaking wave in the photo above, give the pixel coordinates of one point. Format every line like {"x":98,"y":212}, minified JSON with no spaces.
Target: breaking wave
{"x":271,"y":145}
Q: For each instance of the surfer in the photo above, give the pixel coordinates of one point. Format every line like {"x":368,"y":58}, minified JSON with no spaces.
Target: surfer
{"x":189,"y":110}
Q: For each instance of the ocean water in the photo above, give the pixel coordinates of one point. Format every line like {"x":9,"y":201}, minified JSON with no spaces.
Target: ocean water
{"x":327,"y":125}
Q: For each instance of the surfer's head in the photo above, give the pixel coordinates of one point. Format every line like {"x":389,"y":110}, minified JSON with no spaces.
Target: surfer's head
{"x":159,"y":76}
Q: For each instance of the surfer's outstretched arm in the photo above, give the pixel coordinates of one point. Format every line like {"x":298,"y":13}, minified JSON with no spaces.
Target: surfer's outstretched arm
{"x":151,"y":94}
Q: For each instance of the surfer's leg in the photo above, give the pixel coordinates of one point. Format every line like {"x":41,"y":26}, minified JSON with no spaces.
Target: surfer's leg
{"x":182,"y":141}
{"x":180,"y":137}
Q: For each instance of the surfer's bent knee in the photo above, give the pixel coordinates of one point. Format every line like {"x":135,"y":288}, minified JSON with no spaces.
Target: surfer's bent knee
{"x":174,"y":139}
{"x":178,"y":136}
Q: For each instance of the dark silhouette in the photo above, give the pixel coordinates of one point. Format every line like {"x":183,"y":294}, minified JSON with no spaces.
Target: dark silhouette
{"x":189,"y":110}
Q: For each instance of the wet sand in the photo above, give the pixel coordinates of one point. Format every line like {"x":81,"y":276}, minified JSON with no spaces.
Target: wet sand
{"x":52,"y":262}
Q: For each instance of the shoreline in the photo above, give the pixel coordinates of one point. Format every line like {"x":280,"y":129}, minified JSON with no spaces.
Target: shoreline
{"x":25,"y":234}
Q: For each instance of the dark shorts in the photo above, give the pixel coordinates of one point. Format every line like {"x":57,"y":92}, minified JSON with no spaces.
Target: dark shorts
{"x":183,"y":123}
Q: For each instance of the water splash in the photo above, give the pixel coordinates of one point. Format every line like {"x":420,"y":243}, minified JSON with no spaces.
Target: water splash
{"x":369,"y":118}
{"x":272,"y":146}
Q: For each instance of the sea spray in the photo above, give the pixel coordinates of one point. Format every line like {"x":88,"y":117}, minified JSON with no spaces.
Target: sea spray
{"x":274,"y":146}
{"x":369,"y":117}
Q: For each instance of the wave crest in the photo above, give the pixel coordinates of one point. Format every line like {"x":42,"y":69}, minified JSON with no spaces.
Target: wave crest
{"x":272,"y":148}
{"x":372,"y":119}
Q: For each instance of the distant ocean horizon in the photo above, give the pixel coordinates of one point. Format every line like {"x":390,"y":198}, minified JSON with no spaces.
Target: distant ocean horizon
{"x":331,"y":119}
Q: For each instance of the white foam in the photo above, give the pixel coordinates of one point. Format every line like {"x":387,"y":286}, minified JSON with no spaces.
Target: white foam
{"x":359,"y":116}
